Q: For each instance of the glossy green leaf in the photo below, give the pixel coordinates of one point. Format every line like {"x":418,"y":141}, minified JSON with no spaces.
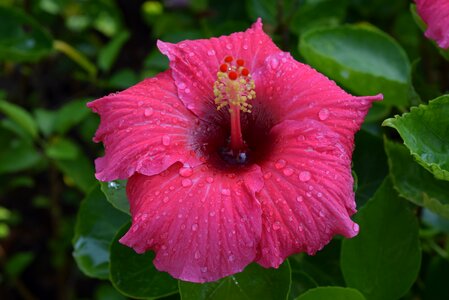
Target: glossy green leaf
{"x":20,"y":116}
{"x":415,"y":183}
{"x":134,"y":275}
{"x":96,"y":226}
{"x":383,"y":260}
{"x":370,"y":165}
{"x":21,"y":37}
{"x":425,"y":131}
{"x":115,"y":192}
{"x":361,"y":58}
{"x":332,"y":292}
{"x":254,"y":282}
{"x":14,"y":147}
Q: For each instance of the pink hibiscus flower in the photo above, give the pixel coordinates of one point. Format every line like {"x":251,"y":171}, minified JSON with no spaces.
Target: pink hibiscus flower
{"x":435,"y":13}
{"x":236,"y":154}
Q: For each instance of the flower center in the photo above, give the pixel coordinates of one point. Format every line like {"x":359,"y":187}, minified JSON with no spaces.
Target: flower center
{"x":234,"y":87}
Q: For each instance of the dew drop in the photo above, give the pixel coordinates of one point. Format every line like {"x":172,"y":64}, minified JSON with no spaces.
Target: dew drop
{"x":229,"y":46}
{"x":288,"y":171}
{"x":113,"y":185}
{"x":355,"y":227}
{"x":212,"y":213}
{"x":165,"y":200}
{"x":231,"y":258}
{"x":187,"y":91}
{"x":299,"y":199}
{"x":203,"y":269}
{"x":211,"y":52}
{"x":245,"y":46}
{"x":226,"y":192}
{"x":194,"y":227}
{"x":322,"y":213}
{"x":165,"y":140}
{"x":210,"y":179}
{"x":274,"y":63}
{"x":267,"y":175}
{"x":305,"y":176}
{"x":276,"y":225}
{"x":185,"y":171}
{"x":197,"y":254}
{"x":280,"y":164}
{"x":186,"y":182}
{"x":323,"y":114}
{"x":148,"y":112}
{"x":182,"y":85}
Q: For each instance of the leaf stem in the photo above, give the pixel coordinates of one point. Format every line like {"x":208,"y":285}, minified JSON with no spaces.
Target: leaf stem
{"x":76,"y":56}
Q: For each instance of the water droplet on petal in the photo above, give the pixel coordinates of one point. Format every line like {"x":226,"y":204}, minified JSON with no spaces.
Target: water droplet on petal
{"x":288,"y":171}
{"x":267,"y":175}
{"x":245,"y":46}
{"x":229,"y":46}
{"x":113,"y":185}
{"x":276,"y":225}
{"x":185,"y":171}
{"x":211,"y":52}
{"x":182,"y":85}
{"x":355,"y":227}
{"x":322,"y":213}
{"x":212,"y":213}
{"x":280,"y":164}
{"x":203,"y":269}
{"x":194,"y":227}
{"x":186,"y":182}
{"x":187,"y":91}
{"x":148,"y":112}
{"x":165,"y":200}
{"x":231,"y":258}
{"x":299,"y":199}
{"x":305,"y":176}
{"x":323,"y":114}
{"x":197,"y":254}
{"x":274,"y":63}
{"x":226,"y":192}
{"x":165,"y":140}
{"x":210,"y":179}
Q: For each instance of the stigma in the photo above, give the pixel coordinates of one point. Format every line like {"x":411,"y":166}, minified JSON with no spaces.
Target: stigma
{"x":234,"y":86}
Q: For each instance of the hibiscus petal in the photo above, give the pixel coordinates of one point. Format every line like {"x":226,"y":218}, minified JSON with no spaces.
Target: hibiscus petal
{"x":307,"y":196}
{"x":291,"y":90}
{"x":203,"y":225}
{"x":435,"y":13}
{"x":144,"y":129}
{"x":195,"y":63}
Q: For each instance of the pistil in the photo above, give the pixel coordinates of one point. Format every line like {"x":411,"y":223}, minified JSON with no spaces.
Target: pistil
{"x":234,"y":87}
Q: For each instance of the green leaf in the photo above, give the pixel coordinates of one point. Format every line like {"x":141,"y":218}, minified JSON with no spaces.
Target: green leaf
{"x":435,"y":285}
{"x":384,"y":259}
{"x":109,"y":53}
{"x":323,"y":267}
{"x":332,"y":292}
{"x":78,"y":170}
{"x":61,"y":148}
{"x":70,"y":115}
{"x":115,"y":192}
{"x":318,"y":13}
{"x":21,"y":37}
{"x":425,"y":131}
{"x":361,"y":58}
{"x":45,"y":120}
{"x":134,"y":274}
{"x":370,"y":165}
{"x":20,"y":116}
{"x":14,"y":147}
{"x":18,"y":263}
{"x":271,"y":11}
{"x":254,"y":282}
{"x":95,"y":228}
{"x":415,"y":183}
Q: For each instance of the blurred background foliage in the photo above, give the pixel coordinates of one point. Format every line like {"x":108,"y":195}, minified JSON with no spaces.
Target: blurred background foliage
{"x":56,"y":55}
